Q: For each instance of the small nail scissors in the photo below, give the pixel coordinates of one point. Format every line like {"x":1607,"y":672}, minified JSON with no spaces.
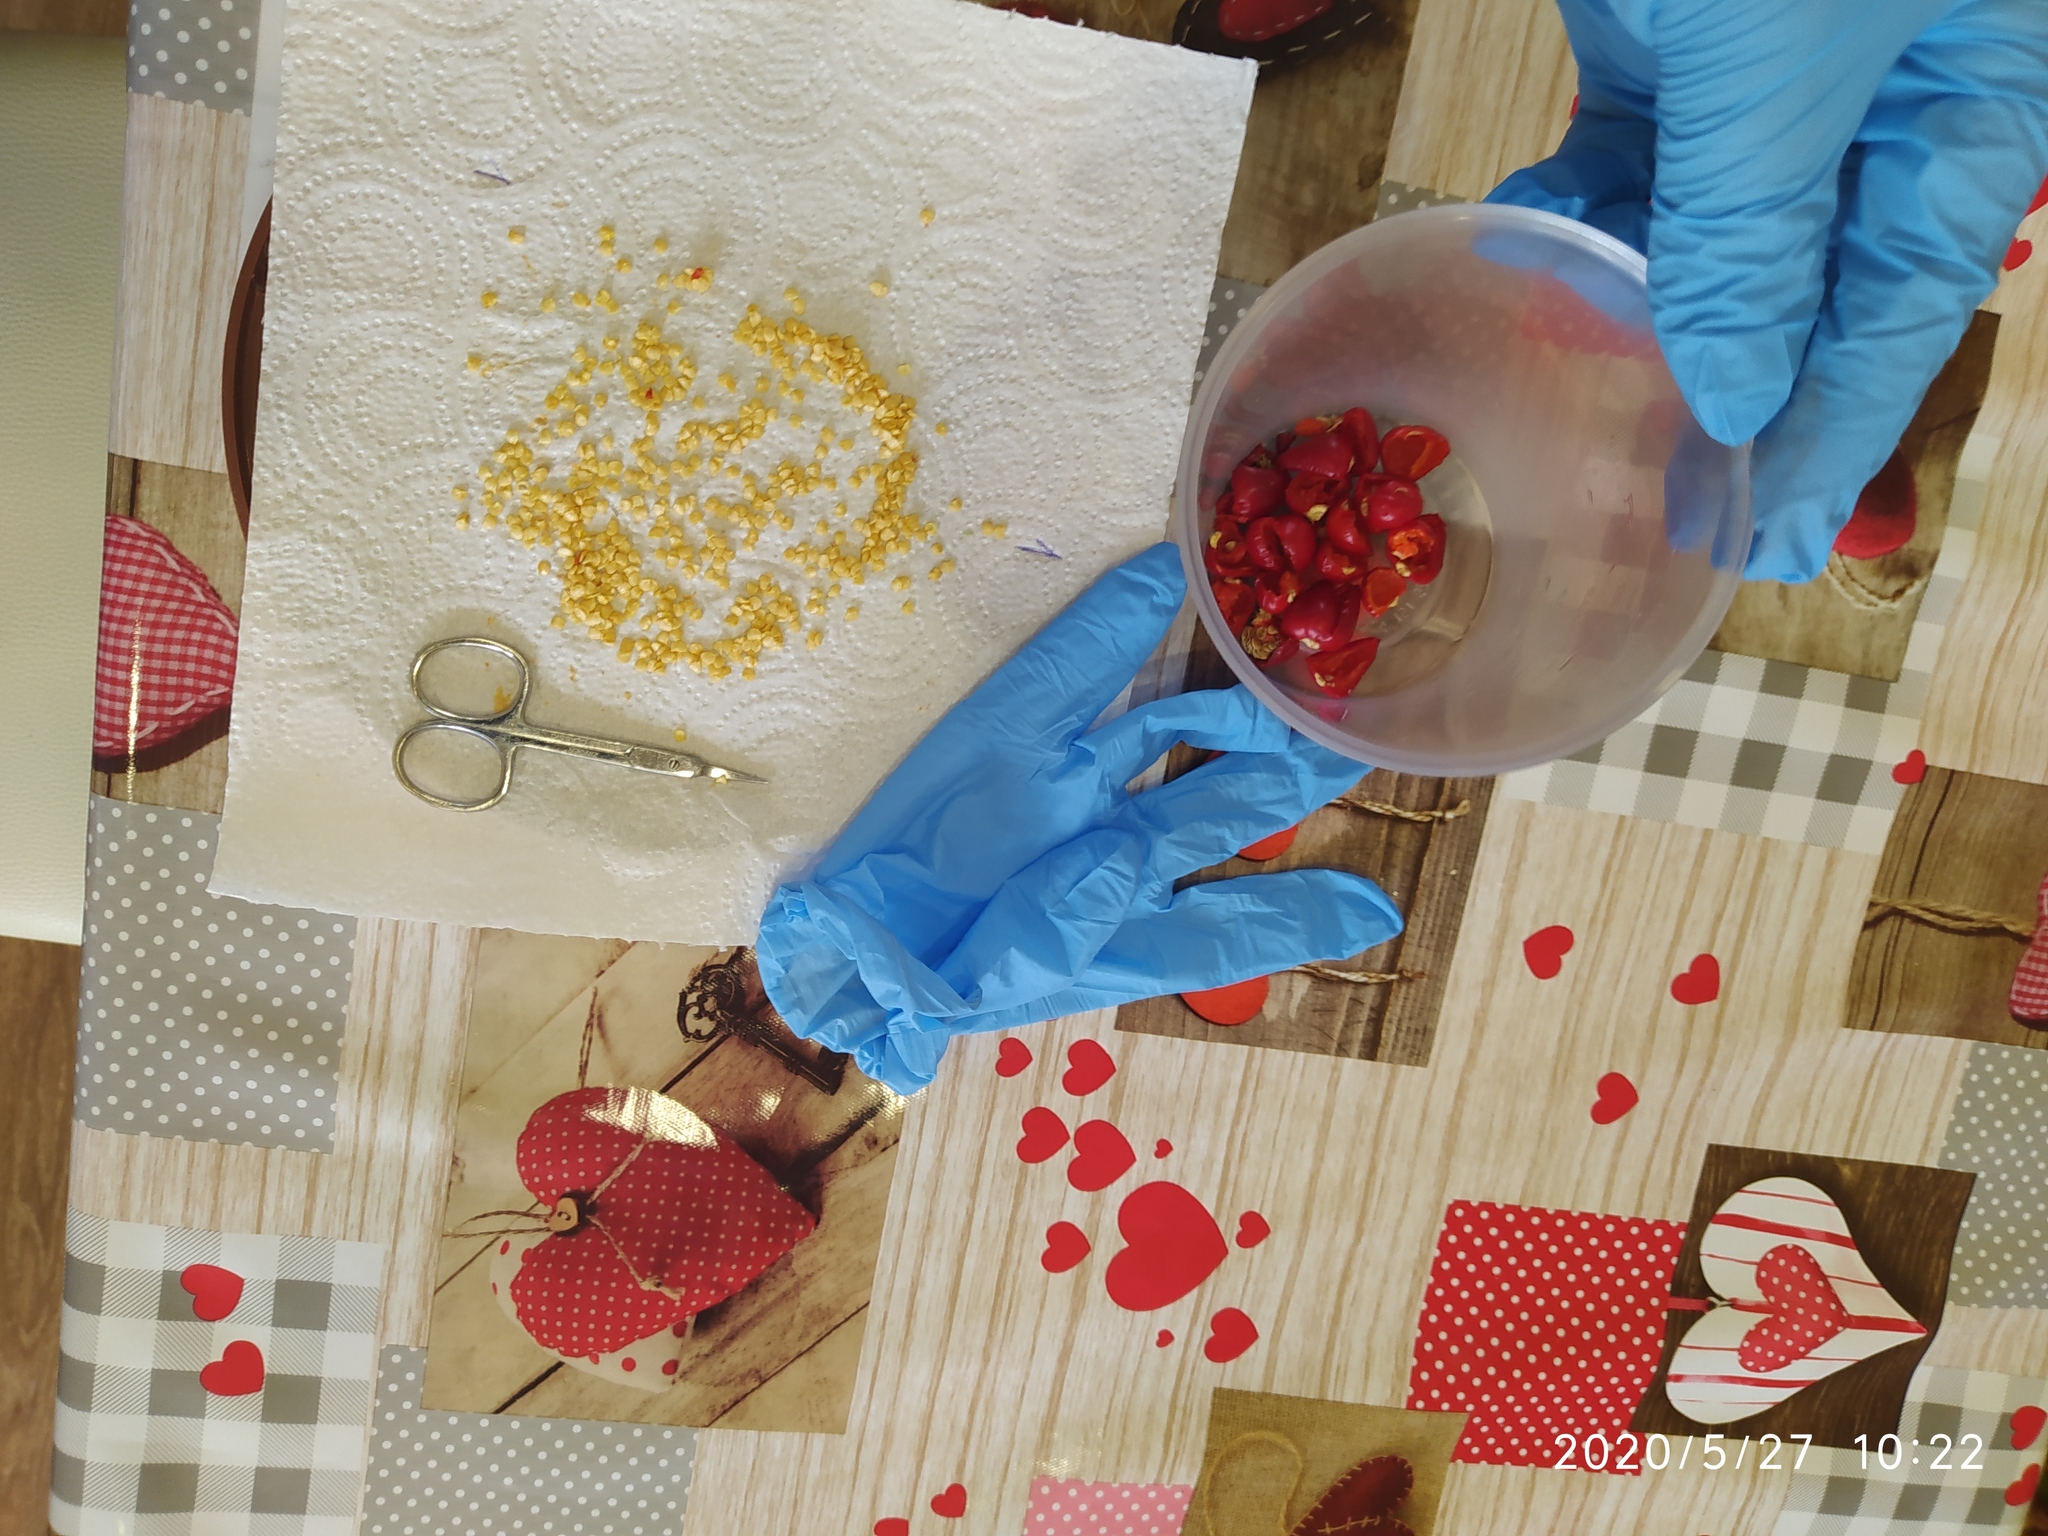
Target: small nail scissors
{"x":506,"y":729}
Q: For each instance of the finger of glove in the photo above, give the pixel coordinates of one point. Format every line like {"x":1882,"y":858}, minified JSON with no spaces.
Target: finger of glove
{"x":1218,"y":719}
{"x":1205,"y":816}
{"x":1757,"y":103}
{"x":1601,"y":175}
{"x":1071,"y":670}
{"x":1952,"y":149}
{"x":1213,"y":935}
{"x":1047,"y":922}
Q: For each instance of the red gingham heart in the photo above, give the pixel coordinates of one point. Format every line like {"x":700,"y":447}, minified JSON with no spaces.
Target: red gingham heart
{"x":2028,"y":999}
{"x":155,"y":601}
{"x":674,"y":1218}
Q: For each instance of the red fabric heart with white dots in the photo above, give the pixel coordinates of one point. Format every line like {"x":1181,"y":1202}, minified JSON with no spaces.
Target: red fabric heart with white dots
{"x":670,"y":1217}
{"x":1805,"y":1311}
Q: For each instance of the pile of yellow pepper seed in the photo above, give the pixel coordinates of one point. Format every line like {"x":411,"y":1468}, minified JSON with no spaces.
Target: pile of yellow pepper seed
{"x":634,"y":533}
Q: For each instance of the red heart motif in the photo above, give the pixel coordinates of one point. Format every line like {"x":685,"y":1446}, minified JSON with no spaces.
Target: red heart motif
{"x":1805,"y":1311}
{"x":2026,"y":1424}
{"x":1362,"y":1498}
{"x":1065,"y":1246}
{"x":1231,"y":1333}
{"x":892,"y":1525}
{"x":1163,"y":1338}
{"x":2016,"y":255}
{"x":2021,"y":1489}
{"x":671,"y":1218}
{"x":951,"y":1504}
{"x":1253,"y":21}
{"x":1252,"y":1230}
{"x":1101,"y":1156}
{"x":1161,"y":1147}
{"x":1271,"y":847}
{"x":154,"y":599}
{"x":1699,"y":982}
{"x":1613,"y":1096}
{"x":1545,"y":949}
{"x":1044,"y":1134}
{"x":1171,"y":1245}
{"x":237,"y":1373}
{"x":1238,"y":1003}
{"x":215,"y":1292}
{"x":1912,"y":770}
{"x":1088,"y":1068}
{"x":1886,"y":513}
{"x":1012,"y":1056}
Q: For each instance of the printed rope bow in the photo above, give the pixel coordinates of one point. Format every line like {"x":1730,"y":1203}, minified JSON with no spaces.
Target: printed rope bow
{"x":2027,"y":1001}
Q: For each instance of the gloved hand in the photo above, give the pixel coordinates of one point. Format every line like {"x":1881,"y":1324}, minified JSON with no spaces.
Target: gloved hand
{"x":1003,"y":875}
{"x":1824,"y":189}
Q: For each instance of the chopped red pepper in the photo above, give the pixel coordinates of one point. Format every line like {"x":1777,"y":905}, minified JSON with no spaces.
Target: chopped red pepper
{"x":1310,"y":426}
{"x":1306,"y":493}
{"x":1383,"y":589}
{"x":1412,"y":452}
{"x":1323,"y":616}
{"x":1238,"y":602}
{"x":1277,"y":590}
{"x":1261,"y":457}
{"x":1343,"y":528}
{"x":1338,"y":672}
{"x":1271,"y":847}
{"x":1334,"y":563}
{"x":1262,"y":545}
{"x":1327,"y":454}
{"x":1297,"y":536}
{"x":1418,"y":551}
{"x":1395,"y":504}
{"x":1254,"y":492}
{"x":1228,"y":554}
{"x":1358,"y":425}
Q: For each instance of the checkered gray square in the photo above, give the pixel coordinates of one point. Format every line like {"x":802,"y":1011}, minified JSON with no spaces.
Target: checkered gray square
{"x":1770,"y":748}
{"x":1849,"y":1493}
{"x":144,"y":1448}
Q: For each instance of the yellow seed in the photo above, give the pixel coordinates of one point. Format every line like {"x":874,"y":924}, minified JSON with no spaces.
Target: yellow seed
{"x":853,"y":610}
{"x":925,"y":218}
{"x":953,"y":505}
{"x":661,"y":249}
{"x":940,"y":428}
{"x":903,"y":368}
{"x":461,"y":493}
{"x":681,"y":734}
{"x":580,"y":300}
{"x":547,"y":304}
{"x":462,"y":519}
{"x":606,"y":232}
{"x":490,"y":298}
{"x":910,"y":605}
{"x":878,"y":288}
{"x":661,"y":279}
{"x":516,"y":235}
{"x":543,"y":567}
{"x":674,"y":305}
{"x":476,"y":362}
{"x":598,"y":400}
{"x":814,"y":639}
{"x":900,"y":584}
{"x":727,"y":381}
{"x":557,"y":622}
{"x":624,"y":264}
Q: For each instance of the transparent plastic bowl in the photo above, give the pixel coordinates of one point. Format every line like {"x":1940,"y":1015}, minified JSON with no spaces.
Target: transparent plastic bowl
{"x":1596,"y":533}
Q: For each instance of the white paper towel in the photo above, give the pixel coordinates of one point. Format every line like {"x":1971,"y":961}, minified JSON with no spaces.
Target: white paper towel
{"x":1051,"y":310}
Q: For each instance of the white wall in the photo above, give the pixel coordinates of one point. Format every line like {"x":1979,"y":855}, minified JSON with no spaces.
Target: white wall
{"x":63,"y":104}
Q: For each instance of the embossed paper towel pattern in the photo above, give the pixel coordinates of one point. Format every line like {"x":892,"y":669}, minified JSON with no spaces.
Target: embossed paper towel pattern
{"x":1050,"y":310}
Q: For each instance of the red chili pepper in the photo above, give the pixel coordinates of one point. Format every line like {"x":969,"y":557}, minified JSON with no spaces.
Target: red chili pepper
{"x":1254,"y":492}
{"x":1348,"y":600}
{"x":1310,"y":426}
{"x":1262,"y":545}
{"x":1261,"y":457}
{"x":1263,"y":642}
{"x":1297,"y":536}
{"x":1277,"y":590}
{"x":1395,"y":504}
{"x":1338,"y":672}
{"x":1358,"y":425}
{"x":1282,"y":443}
{"x":1238,"y":602}
{"x":1327,"y":454}
{"x":1412,"y":452}
{"x":1305,"y":493}
{"x":1316,"y":616}
{"x":1343,"y":527}
{"x":1418,"y":551}
{"x":1334,"y":563}
{"x":1228,"y":553}
{"x":1383,"y":589}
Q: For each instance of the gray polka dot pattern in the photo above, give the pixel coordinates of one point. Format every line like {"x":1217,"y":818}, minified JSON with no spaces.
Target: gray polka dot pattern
{"x":475,"y":1474}
{"x":194,"y":50}
{"x":1999,"y":1130}
{"x":1229,"y":302}
{"x":201,"y":1018}
{"x":1398,"y":197}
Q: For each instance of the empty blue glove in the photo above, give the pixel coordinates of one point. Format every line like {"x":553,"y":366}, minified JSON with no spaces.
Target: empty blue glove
{"x":1824,"y":189}
{"x":1003,"y":874}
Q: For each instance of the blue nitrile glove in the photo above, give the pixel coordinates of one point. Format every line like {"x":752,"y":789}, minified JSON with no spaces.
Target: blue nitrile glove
{"x":1824,"y":189}
{"x":1003,"y":875}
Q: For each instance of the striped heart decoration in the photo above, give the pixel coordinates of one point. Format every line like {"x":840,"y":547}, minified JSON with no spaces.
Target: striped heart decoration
{"x":1796,"y":1304}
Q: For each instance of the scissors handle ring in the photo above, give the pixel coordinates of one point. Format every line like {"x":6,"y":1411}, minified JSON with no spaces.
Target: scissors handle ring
{"x":515,"y":710}
{"x":497,"y":743}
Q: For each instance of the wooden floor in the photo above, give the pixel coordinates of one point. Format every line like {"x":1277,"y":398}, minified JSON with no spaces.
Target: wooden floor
{"x":38,"y":1019}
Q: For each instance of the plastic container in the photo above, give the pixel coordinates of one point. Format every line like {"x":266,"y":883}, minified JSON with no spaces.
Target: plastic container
{"x":1596,"y":533}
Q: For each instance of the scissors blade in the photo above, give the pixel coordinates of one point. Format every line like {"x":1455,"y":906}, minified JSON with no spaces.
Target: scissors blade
{"x":687,"y":765}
